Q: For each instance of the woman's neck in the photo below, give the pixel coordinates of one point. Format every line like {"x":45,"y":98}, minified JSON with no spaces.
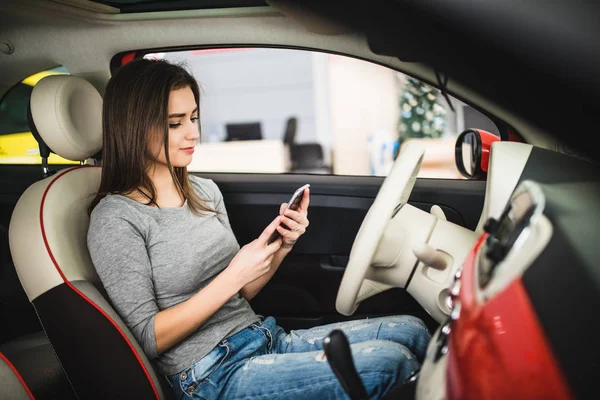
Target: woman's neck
{"x":167,"y":195}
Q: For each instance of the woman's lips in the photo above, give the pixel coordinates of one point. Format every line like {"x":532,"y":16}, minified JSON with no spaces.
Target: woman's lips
{"x":189,"y":150}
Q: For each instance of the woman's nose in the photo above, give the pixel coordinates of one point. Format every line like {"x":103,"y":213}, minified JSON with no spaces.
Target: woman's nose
{"x":193,"y":132}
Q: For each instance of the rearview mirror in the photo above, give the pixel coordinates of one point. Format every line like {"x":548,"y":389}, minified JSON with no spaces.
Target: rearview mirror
{"x":472,"y":152}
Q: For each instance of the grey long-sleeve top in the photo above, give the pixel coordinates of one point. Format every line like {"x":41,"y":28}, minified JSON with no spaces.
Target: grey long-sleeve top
{"x":150,"y":259}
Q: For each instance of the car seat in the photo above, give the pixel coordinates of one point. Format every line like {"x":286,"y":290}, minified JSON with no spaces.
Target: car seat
{"x":47,"y":238}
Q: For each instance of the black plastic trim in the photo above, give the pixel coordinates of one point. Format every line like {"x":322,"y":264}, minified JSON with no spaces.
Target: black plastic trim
{"x":563,"y":283}
{"x":566,"y":300}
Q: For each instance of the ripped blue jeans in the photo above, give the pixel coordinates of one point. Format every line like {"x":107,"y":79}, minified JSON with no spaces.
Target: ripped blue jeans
{"x":264,"y":362}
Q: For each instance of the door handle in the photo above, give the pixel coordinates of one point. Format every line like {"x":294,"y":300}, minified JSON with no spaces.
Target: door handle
{"x":333,"y":263}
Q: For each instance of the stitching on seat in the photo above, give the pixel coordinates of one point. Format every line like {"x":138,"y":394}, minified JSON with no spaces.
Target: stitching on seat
{"x":56,"y":354}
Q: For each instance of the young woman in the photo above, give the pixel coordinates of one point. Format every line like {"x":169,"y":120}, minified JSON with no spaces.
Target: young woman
{"x":163,"y":248}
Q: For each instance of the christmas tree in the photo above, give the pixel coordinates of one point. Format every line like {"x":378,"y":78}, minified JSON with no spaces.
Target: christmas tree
{"x":420,"y":114}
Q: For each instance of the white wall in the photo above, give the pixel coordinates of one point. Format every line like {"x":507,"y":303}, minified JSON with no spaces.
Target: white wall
{"x":339,"y":102}
{"x":248,"y":85}
{"x":364,"y":99}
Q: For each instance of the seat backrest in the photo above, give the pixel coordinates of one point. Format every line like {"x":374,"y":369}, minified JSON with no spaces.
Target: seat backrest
{"x":291,"y":127}
{"x":48,"y":243}
{"x":306,"y":155}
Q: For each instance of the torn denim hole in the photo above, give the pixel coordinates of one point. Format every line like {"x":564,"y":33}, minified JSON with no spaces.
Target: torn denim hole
{"x":359,"y":327}
{"x":259,"y":360}
{"x":313,"y":340}
{"x":406,"y":353}
{"x":368,"y":350}
{"x":263,"y":360}
{"x":320,"y":357}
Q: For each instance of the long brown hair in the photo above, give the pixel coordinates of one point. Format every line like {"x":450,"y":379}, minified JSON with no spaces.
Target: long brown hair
{"x":136,"y":106}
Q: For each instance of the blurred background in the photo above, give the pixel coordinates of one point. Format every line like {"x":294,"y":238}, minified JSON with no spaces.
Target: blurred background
{"x":280,"y":110}
{"x":272,"y":110}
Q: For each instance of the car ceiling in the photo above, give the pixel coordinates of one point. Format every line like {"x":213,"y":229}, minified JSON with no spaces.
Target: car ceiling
{"x":495,"y":53}
{"x":130,"y":6}
{"x":536,"y":59}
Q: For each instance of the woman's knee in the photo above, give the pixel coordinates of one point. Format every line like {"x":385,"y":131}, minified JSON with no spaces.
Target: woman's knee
{"x":408,"y":331}
{"x":382,"y":364}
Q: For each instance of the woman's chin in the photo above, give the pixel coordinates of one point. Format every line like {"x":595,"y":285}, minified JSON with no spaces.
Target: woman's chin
{"x":183,"y":160}
{"x":181,"y":164}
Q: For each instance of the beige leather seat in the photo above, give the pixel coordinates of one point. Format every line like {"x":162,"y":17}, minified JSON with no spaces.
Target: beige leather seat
{"x":47,"y":237}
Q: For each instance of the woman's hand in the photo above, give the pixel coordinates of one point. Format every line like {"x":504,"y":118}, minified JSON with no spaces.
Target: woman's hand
{"x":254,"y":259}
{"x":296,"y":221}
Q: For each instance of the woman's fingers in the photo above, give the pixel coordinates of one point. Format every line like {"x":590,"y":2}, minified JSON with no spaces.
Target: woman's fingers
{"x":291,"y":233}
{"x":298,"y":217}
{"x":268,"y":231}
{"x":305,"y":200}
{"x":273,"y":247}
{"x":287,"y":235}
{"x":292,"y":225}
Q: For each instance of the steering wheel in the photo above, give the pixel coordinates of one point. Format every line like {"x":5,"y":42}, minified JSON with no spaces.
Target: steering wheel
{"x":392,"y":195}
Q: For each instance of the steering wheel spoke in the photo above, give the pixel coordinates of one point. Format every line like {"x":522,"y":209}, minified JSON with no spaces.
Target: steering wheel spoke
{"x":392,"y":196}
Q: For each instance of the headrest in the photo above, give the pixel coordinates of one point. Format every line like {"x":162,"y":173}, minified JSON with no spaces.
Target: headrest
{"x":67,"y":113}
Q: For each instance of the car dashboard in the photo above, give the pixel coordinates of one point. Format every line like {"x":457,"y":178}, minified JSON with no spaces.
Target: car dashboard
{"x":522,"y":301}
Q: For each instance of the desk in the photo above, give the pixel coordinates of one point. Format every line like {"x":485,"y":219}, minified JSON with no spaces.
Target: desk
{"x":262,"y":156}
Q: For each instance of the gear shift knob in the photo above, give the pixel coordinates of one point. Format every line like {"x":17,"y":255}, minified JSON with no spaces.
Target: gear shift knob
{"x":339,"y":356}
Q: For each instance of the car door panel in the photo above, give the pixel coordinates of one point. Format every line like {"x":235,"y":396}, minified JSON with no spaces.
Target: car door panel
{"x":303,"y":291}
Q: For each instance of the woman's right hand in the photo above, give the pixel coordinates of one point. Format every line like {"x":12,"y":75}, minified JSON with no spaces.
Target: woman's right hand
{"x":254,"y":259}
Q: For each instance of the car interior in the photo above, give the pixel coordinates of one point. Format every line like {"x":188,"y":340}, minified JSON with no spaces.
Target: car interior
{"x":500,"y":264}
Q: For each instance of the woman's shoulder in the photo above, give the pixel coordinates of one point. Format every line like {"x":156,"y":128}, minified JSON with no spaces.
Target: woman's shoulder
{"x":113,"y":207}
{"x":205,"y":187}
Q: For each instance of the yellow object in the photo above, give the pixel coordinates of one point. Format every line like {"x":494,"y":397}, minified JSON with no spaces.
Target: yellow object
{"x":21,"y":147}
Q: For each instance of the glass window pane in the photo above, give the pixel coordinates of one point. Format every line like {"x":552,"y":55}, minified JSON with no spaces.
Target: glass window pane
{"x":17,"y":144}
{"x":294,"y":111}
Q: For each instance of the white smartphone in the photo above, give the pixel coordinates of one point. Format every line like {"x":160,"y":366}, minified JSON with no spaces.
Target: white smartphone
{"x":293,"y":204}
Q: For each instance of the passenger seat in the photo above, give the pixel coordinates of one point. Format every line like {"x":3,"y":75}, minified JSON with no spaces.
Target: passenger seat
{"x":47,"y":237}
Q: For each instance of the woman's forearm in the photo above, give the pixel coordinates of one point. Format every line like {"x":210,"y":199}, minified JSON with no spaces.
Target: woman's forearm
{"x":251,"y":289}
{"x":173,"y":325}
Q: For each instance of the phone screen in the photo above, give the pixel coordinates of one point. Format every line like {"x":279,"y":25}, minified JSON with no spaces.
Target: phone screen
{"x":293,"y":204}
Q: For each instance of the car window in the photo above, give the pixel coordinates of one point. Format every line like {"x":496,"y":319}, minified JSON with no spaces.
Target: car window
{"x":13,"y":110}
{"x":295,"y":111}
{"x":17,"y":144}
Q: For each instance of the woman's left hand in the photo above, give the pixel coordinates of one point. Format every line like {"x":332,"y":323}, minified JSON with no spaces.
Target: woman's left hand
{"x":296,"y":221}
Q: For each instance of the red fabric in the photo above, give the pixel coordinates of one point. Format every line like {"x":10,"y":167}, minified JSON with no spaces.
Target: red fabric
{"x":487,"y":139}
{"x":497,"y":348}
{"x":127,"y":58}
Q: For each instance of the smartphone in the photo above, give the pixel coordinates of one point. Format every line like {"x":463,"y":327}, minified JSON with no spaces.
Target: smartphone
{"x":293,"y":204}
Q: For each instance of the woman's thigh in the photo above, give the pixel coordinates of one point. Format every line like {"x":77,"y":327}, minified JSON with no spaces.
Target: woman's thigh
{"x":408,"y":331}
{"x":381,"y":364}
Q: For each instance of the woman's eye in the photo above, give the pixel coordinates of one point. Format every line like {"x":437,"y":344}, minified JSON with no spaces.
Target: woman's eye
{"x":173,"y":126}
{"x":195,"y":118}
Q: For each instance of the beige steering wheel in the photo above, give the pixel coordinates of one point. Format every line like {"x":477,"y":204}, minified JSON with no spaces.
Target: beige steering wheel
{"x":392,"y":195}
